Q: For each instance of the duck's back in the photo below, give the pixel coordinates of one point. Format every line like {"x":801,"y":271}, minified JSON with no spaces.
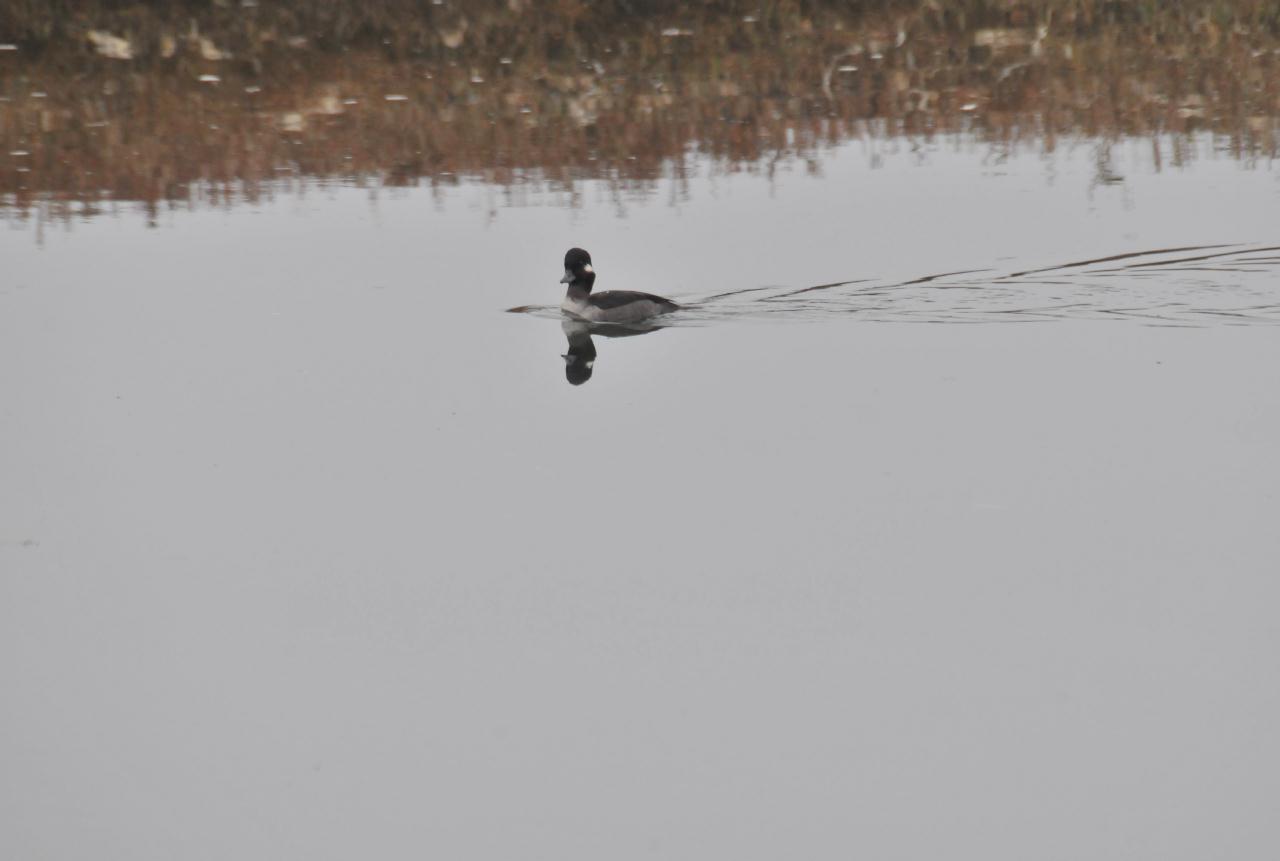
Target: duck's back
{"x":625,"y":305}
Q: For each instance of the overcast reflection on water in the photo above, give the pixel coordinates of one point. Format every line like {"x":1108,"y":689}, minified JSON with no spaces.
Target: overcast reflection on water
{"x":301,"y":528}
{"x":939,"y":524}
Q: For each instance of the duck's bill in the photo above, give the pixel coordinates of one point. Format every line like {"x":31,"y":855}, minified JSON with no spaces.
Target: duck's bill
{"x":569,"y":277}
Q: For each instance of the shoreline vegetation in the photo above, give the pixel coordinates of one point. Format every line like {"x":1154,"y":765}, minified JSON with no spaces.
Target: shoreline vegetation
{"x":173,"y":103}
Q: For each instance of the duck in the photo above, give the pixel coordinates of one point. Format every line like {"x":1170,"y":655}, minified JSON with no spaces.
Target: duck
{"x":611,"y":306}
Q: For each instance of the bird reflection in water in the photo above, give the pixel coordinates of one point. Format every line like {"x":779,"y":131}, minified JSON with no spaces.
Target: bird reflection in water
{"x":580,"y":361}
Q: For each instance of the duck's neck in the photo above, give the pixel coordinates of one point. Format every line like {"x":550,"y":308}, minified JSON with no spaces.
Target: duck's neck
{"x":580,"y":288}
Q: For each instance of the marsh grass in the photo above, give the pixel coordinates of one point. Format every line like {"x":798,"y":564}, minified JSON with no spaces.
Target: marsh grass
{"x":206,"y":102}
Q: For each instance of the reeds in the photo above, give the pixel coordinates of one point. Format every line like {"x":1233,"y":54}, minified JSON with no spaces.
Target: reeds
{"x":203,"y":101}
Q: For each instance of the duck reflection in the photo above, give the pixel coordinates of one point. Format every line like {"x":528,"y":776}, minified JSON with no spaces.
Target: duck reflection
{"x":580,"y":361}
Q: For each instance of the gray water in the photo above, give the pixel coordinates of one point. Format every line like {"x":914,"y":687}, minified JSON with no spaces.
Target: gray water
{"x":309,"y":550}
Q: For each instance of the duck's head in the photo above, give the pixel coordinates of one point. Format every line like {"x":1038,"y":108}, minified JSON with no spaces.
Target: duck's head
{"x":577,"y":267}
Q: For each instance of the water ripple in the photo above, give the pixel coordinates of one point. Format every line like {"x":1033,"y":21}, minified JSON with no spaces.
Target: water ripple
{"x":1231,"y":285}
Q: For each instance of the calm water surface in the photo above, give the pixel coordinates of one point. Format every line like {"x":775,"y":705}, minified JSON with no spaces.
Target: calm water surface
{"x":310,"y":550}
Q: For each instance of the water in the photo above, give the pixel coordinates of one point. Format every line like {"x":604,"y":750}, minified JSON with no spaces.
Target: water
{"x":310,"y":550}
{"x":940,"y":524}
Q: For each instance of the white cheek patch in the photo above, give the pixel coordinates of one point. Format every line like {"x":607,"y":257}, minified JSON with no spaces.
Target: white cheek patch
{"x":587,"y":268}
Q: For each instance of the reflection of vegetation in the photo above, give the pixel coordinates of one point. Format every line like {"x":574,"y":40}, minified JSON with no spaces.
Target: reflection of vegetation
{"x":154,"y":102}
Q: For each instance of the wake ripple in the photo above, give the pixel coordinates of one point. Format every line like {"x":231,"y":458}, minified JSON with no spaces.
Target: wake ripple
{"x":1203,"y":285}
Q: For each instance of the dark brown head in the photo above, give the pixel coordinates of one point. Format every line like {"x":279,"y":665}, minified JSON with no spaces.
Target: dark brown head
{"x":577,"y":268}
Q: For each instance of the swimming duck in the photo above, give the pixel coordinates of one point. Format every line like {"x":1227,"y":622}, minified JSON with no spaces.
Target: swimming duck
{"x":612,"y":306}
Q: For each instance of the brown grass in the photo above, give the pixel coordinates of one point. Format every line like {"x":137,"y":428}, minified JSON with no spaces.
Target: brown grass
{"x":511,"y":89}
